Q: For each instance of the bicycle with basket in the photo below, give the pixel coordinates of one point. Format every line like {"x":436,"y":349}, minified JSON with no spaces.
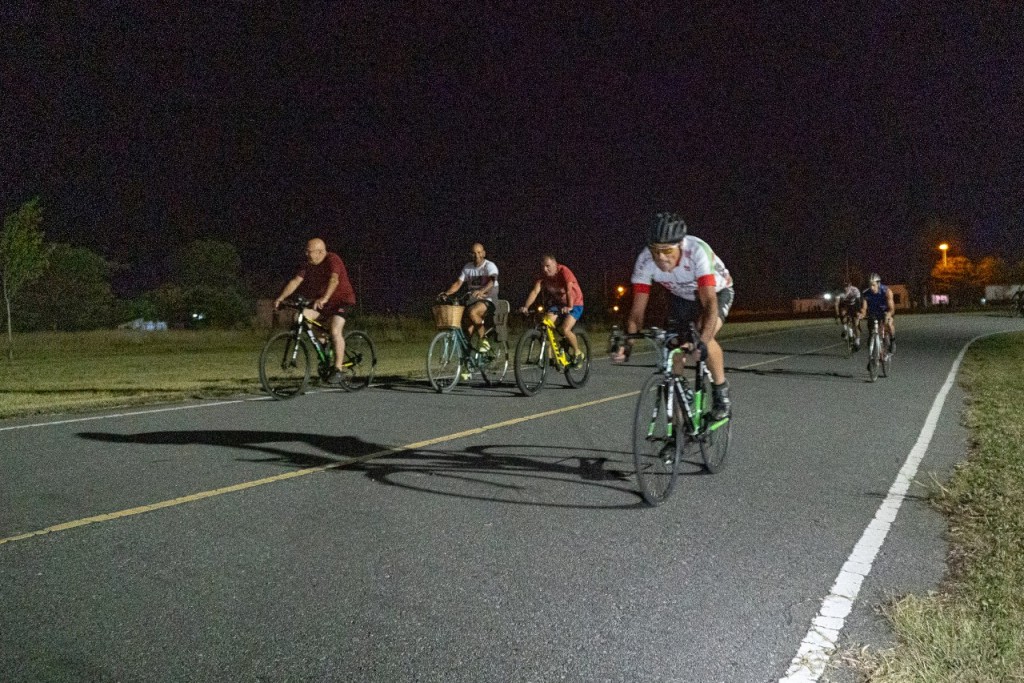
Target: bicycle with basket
{"x":451,"y":356}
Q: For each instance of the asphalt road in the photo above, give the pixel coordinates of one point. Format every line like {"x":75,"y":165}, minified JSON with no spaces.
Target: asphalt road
{"x":400,"y":535}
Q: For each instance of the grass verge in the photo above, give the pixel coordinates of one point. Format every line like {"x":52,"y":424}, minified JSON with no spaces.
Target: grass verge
{"x":973,"y":628}
{"x":57,"y":372}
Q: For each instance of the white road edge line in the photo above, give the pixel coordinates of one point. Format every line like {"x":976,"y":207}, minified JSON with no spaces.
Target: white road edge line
{"x":823,"y":636}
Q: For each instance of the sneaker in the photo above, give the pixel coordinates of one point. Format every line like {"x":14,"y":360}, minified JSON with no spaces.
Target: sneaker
{"x":577,"y":360}
{"x":721,"y":406}
{"x":465,"y":375}
{"x":483,"y":346}
{"x":336,"y":377}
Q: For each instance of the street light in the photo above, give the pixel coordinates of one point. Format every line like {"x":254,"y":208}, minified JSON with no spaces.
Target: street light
{"x":943,"y":248}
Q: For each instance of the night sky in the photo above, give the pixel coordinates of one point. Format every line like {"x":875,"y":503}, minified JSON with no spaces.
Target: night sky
{"x":795,"y":139}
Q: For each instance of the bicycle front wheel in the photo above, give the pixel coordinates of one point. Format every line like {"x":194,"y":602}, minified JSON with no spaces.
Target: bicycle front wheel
{"x":360,"y":361}
{"x":531,"y":363}
{"x":873,"y":357}
{"x":285,"y":365}
{"x":577,"y":375}
{"x":496,"y":368}
{"x":444,"y":360}
{"x":655,"y":446}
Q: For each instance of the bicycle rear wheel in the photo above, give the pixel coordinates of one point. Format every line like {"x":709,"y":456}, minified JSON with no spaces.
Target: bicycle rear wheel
{"x":496,"y":368}
{"x":531,"y":362}
{"x":285,"y":365}
{"x":444,"y":360}
{"x":885,"y":358}
{"x":714,"y":441}
{"x":577,"y":375}
{"x":655,"y":446}
{"x":360,"y":361}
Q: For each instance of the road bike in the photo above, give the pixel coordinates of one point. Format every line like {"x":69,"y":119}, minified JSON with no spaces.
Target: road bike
{"x":851,"y":333}
{"x":673,"y":421}
{"x":451,"y":357}
{"x":286,"y":362}
{"x":879,"y":357}
{"x":543,"y":347}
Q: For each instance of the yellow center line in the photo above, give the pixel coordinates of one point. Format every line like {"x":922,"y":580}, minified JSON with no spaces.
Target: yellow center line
{"x":202,"y":495}
{"x":792,"y":355}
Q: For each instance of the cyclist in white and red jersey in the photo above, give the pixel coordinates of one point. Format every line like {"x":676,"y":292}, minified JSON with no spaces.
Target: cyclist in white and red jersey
{"x":701,"y":289}
{"x":847,"y":307}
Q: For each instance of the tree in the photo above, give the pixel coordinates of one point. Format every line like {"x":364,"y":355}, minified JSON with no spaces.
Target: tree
{"x":23,"y":256}
{"x":208,"y":282}
{"x":957,"y":277}
{"x":77,"y":295}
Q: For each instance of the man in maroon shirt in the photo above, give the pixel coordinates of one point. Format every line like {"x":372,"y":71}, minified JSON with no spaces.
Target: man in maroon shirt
{"x":324,"y":279}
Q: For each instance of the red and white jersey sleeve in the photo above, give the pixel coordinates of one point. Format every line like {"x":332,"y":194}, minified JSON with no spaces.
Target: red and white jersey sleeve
{"x":698,"y":267}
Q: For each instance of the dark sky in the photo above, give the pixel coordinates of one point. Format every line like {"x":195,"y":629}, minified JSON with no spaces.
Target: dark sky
{"x":793,"y":138}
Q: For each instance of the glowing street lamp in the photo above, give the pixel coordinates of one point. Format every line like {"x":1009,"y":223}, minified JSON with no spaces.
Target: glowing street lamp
{"x":943,"y":248}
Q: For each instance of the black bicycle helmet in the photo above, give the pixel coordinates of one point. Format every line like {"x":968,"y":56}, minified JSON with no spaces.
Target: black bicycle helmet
{"x":668,"y":228}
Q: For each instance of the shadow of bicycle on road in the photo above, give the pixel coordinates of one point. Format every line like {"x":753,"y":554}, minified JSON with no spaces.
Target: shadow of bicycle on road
{"x":543,"y":476}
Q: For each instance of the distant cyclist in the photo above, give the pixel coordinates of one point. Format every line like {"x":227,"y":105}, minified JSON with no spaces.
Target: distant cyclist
{"x":847,"y":308}
{"x":481,"y":279}
{"x":701,"y":292}
{"x":563,"y":300}
{"x":878,"y":305}
{"x":1018,"y":300}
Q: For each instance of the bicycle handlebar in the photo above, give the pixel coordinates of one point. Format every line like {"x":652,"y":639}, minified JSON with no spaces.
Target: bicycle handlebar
{"x":665,"y":338}
{"x":297,"y":302}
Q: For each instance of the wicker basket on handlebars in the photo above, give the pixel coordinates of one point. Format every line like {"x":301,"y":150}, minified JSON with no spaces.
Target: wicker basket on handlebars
{"x":447,"y":317}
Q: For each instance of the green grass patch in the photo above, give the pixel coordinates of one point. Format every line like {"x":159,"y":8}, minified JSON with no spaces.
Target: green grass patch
{"x":57,"y":372}
{"x":973,"y":628}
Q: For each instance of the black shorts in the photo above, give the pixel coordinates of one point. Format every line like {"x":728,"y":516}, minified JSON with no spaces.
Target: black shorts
{"x":489,"y":313}
{"x":683,"y":311}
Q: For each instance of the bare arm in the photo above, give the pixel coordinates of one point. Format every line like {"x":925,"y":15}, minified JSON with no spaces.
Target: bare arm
{"x":531,"y":297}
{"x":288,"y":290}
{"x":332,"y":285}
{"x":454,"y":287}
{"x":709,"y":313}
{"x":636,"y":311}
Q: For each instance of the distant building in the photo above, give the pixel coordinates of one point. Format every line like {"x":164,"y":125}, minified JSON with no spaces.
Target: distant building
{"x":144,"y":325}
{"x":819,"y":304}
{"x":1001,"y":292}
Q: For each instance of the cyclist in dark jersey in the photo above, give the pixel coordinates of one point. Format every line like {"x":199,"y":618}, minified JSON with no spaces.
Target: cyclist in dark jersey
{"x":878,"y":305}
{"x":324,"y":279}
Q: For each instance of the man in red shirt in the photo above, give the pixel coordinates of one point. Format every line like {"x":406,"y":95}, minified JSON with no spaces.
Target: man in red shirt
{"x":562,"y":297}
{"x":324,"y":279}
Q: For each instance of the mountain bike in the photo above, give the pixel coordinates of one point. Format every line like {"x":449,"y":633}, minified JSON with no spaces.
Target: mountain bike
{"x":451,"y":357}
{"x":286,"y":361}
{"x":879,"y":358}
{"x":544,"y":347}
{"x":673,"y":418}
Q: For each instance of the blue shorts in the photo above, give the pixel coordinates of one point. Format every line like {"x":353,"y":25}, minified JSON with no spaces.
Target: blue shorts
{"x":576,"y":312}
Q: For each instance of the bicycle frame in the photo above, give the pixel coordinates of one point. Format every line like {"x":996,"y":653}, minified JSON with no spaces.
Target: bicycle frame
{"x":555,"y":350}
{"x":324,"y":351}
{"x":692,"y":400}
